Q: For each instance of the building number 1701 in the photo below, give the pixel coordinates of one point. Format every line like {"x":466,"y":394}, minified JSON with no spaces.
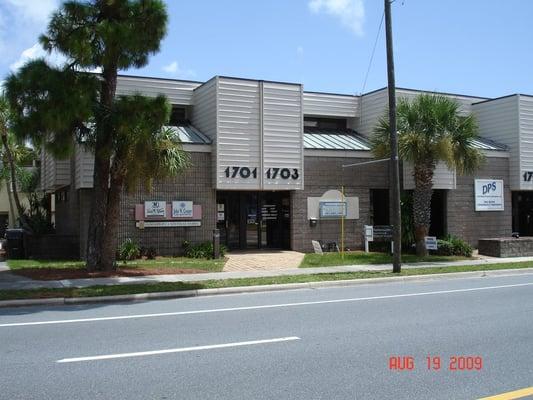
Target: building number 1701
{"x":270,"y":173}
{"x":528,"y":175}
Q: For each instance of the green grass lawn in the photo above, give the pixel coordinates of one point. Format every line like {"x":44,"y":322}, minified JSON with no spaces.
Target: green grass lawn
{"x":160,"y":262}
{"x":359,"y":257}
{"x":220,"y":283}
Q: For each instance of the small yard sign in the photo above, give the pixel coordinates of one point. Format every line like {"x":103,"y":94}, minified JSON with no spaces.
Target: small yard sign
{"x":431,"y":242}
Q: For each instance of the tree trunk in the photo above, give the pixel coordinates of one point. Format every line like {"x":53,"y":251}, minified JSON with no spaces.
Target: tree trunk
{"x":110,"y":242}
{"x":102,"y":157}
{"x":5,"y":141}
{"x":11,"y":221}
{"x":423,"y":175}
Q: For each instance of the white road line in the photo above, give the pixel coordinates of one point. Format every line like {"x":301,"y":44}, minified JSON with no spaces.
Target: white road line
{"x":178,"y":350}
{"x":267,"y":306}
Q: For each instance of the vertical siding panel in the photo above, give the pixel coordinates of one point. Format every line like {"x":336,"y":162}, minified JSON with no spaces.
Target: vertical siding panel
{"x":526,"y":140}
{"x":239,"y":132}
{"x":498,"y":120}
{"x":282,"y":134}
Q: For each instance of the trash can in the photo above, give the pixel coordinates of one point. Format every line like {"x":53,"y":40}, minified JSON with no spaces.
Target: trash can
{"x":15,"y":243}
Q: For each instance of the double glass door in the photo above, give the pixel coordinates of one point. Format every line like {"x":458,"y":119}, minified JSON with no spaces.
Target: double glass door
{"x":254,"y":220}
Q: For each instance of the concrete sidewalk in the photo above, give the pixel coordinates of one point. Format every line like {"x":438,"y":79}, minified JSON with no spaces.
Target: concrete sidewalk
{"x":9,"y":280}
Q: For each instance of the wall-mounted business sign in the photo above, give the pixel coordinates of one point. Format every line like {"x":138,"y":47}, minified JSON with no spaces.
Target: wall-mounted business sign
{"x":155,"y":209}
{"x":489,"y":195}
{"x":182,"y":209}
{"x":166,"y":224}
{"x":332,"y":209}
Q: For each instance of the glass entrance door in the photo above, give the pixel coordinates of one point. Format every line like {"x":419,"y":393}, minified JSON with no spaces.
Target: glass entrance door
{"x":254,"y":220}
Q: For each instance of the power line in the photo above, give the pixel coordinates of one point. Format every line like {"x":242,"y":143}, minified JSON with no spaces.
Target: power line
{"x":373,"y":52}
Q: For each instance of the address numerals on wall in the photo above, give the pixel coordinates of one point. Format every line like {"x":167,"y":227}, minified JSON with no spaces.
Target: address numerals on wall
{"x":270,"y":173}
{"x":243,"y":172}
{"x":284,"y":173}
{"x":528,"y":176}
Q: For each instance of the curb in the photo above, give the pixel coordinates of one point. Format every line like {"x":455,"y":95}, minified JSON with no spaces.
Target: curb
{"x":259,"y":288}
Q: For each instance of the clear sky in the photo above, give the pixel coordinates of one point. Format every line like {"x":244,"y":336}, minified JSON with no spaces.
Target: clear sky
{"x":476,"y":47}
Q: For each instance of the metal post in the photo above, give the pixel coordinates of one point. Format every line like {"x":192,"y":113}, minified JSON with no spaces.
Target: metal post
{"x":216,"y":243}
{"x":342,"y":223}
{"x":394,"y":183}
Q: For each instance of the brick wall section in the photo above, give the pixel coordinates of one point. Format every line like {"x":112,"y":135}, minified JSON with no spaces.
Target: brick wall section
{"x":322,"y":174}
{"x":464,"y":221}
{"x":194,"y":185}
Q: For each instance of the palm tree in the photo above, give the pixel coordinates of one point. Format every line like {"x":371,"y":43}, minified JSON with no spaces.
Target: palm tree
{"x":431,"y":129}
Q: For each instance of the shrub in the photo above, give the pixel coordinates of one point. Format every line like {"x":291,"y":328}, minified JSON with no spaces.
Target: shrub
{"x":201,"y":250}
{"x":453,"y":246}
{"x":129,"y":250}
{"x":444,"y":248}
{"x":149,"y":252}
{"x":460,"y":247}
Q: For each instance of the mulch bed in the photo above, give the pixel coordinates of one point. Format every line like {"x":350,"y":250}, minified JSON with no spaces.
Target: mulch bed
{"x":53,"y":274}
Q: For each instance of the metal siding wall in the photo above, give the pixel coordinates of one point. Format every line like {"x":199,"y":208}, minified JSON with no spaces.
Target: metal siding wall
{"x":49,"y":171}
{"x":282,"y":134}
{"x":62,"y":174}
{"x":84,"y":168}
{"x":526,"y":140}
{"x":177,"y":92}
{"x":204,"y":113}
{"x":331,"y":105}
{"x":239,"y":132}
{"x":373,"y":107}
{"x":443,"y":177}
{"x":498,"y":121}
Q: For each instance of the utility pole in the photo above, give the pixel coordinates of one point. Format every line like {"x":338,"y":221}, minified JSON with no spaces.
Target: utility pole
{"x":394,"y":179}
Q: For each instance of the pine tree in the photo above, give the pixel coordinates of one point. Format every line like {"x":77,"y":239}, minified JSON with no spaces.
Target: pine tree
{"x":57,"y":107}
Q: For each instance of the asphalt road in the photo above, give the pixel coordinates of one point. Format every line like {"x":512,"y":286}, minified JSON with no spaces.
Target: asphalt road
{"x":331,"y":343}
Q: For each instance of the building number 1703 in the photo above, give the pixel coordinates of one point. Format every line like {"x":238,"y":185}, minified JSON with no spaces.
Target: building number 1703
{"x":528,"y":175}
{"x":270,"y":173}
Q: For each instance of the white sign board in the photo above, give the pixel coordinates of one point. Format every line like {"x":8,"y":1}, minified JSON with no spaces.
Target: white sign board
{"x":431,"y":242}
{"x":332,"y":209}
{"x":155,"y":209}
{"x":369,"y":233}
{"x":317,"y":247}
{"x":182,"y":209}
{"x":489,"y":195}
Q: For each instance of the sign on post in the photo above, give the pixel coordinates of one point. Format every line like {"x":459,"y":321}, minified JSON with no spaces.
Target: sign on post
{"x":317,"y":247}
{"x":369,"y":236}
{"x":431,"y":242}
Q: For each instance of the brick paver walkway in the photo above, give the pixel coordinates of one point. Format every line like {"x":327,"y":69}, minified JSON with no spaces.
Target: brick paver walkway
{"x":268,"y":260}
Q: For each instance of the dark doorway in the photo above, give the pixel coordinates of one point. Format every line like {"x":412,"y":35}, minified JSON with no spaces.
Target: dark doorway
{"x":438,"y":214}
{"x":523,"y":213}
{"x":380,"y":210}
{"x":254,"y":220}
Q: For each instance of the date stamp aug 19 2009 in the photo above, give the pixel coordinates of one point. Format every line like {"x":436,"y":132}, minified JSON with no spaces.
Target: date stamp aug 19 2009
{"x":437,"y":363}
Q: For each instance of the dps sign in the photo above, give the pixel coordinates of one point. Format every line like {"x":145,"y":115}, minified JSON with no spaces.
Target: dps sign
{"x":489,"y":195}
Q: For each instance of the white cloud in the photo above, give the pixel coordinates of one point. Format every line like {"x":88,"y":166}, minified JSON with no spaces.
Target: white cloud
{"x":351,"y":13}
{"x":174,"y":69}
{"x":33,"y":52}
{"x":300,"y":51}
